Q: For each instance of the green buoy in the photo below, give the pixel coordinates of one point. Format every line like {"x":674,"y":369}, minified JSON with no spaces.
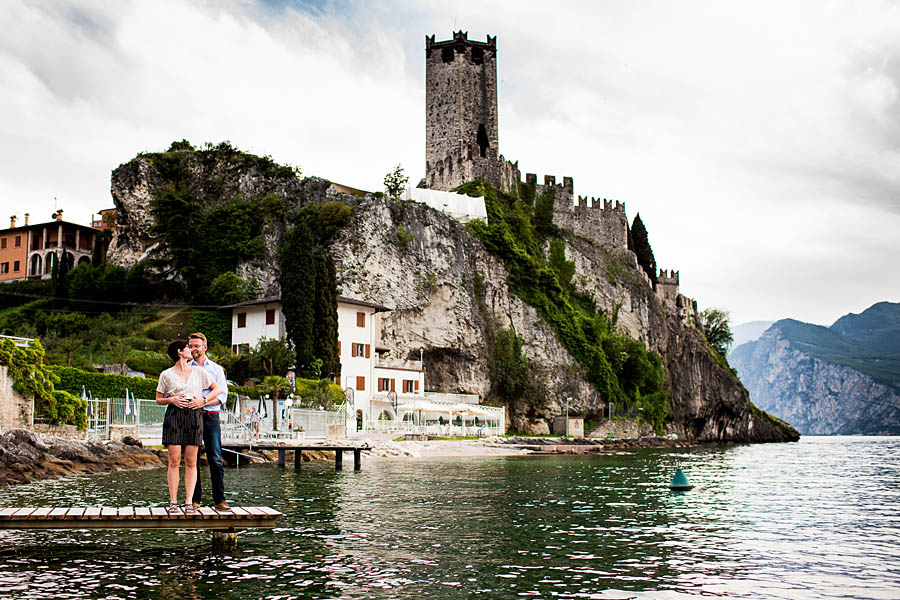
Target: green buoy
{"x":680,"y":482}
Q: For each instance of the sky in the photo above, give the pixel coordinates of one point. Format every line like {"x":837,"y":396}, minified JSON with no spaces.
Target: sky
{"x":760,"y":142}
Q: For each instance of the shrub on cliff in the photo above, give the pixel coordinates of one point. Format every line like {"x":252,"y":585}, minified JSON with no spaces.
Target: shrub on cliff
{"x":620,"y":368}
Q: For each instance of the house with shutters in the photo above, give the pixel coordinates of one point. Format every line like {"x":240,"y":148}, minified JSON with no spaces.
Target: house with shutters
{"x":375,"y":382}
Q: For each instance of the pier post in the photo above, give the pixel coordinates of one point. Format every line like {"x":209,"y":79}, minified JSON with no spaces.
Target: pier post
{"x":338,"y":460}
{"x":281,"y":457}
{"x":298,"y":458}
{"x":224,"y":539}
{"x":357,"y":459}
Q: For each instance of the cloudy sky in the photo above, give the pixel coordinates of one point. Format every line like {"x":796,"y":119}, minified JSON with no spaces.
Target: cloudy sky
{"x":760,"y":141}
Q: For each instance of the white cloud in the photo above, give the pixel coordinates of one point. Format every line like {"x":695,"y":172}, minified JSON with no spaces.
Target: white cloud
{"x":761,"y":145}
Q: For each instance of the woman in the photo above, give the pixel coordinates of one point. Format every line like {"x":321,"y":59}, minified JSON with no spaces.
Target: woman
{"x":181,"y":389}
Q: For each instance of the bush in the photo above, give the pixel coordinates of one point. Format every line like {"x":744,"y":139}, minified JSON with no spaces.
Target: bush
{"x":101,"y":385}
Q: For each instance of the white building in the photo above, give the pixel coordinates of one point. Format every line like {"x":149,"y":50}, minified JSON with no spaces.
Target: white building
{"x":373,"y":382}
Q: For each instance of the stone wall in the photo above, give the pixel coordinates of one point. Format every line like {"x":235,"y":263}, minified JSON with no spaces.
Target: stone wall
{"x":15,"y":409}
{"x":621,"y":429}
{"x":66,"y":432}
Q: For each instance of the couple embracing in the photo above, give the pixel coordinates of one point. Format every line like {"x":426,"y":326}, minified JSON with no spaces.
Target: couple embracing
{"x":194,"y":389}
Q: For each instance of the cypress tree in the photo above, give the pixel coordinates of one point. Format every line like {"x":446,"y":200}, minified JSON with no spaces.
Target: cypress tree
{"x":642,"y":248}
{"x":298,"y":288}
{"x":62,"y":288}
{"x":326,"y":322}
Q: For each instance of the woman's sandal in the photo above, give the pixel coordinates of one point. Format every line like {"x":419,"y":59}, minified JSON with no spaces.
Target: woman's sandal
{"x":173,"y":509}
{"x":189,"y":509}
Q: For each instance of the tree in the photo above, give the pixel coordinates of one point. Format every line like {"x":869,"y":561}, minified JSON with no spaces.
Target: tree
{"x":272,"y":357}
{"x":325,"y":342}
{"x":298,"y":288}
{"x":642,"y":248}
{"x":273,"y":385}
{"x":395,"y":181}
{"x":714,"y":323}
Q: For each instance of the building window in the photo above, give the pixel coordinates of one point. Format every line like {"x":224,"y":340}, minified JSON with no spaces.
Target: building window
{"x":4,"y":267}
{"x":384,"y":384}
{"x":242,"y":320}
{"x":409,"y":386}
{"x":360,"y":319}
{"x":270,"y":316}
{"x":2,"y":243}
{"x":16,"y":266}
{"x":358,"y":350}
{"x":18,"y":241}
{"x":360,"y":383}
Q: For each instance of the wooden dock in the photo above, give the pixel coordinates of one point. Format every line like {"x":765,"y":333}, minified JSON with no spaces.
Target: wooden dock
{"x":135,"y":517}
{"x":298,"y":449}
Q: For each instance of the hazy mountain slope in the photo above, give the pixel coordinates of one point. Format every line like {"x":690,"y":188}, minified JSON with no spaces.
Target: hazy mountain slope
{"x":827,"y":380}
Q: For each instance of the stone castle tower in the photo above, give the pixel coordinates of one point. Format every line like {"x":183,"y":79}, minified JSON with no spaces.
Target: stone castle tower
{"x":461,"y":131}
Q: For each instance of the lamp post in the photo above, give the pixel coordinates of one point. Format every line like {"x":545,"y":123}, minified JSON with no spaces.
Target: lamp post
{"x":569,"y":399}
{"x":287,"y":406}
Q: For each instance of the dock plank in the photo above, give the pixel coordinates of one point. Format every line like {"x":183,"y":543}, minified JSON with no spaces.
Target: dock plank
{"x":129,"y":517}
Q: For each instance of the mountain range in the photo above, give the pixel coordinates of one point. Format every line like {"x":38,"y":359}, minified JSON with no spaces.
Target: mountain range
{"x":842,"y":379}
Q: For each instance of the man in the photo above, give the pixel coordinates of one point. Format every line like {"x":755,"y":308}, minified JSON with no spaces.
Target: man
{"x":212,"y":439}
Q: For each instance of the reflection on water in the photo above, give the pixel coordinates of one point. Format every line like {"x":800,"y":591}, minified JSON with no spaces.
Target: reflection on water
{"x":808,"y":520}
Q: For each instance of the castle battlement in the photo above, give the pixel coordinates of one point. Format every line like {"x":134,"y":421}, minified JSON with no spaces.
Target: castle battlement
{"x":600,"y":204}
{"x":666,"y":277}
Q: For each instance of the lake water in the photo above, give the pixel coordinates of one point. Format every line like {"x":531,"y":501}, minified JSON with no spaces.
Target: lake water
{"x":814,"y":519}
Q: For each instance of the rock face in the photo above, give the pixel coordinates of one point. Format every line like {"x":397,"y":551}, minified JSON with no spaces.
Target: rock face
{"x":26,"y":457}
{"x":818,"y":396}
{"x":446,"y":291}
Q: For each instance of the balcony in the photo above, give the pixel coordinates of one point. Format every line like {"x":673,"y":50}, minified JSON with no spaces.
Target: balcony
{"x":396,"y":363}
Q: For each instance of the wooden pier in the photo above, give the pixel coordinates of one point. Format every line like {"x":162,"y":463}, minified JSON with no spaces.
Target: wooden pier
{"x":298,"y":449}
{"x":222,"y":523}
{"x":135,"y":517}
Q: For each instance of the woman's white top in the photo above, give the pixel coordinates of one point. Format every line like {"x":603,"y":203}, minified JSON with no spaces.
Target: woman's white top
{"x":170,"y":383}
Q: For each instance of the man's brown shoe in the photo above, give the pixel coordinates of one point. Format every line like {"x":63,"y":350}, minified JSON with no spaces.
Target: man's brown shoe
{"x":196,"y":505}
{"x":222,"y":506}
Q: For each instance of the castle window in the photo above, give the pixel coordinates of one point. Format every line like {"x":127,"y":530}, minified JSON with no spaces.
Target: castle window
{"x":482,"y":140}
{"x":477,"y":56}
{"x":447,"y":54}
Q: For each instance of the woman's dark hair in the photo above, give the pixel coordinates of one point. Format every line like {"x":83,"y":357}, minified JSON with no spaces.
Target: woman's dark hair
{"x":174,"y":348}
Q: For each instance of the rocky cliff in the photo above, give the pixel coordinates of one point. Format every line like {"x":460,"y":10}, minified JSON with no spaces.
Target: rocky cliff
{"x":424,"y":266}
{"x":817,"y":380}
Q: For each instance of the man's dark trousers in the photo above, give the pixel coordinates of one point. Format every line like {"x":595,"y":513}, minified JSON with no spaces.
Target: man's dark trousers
{"x":212,"y":440}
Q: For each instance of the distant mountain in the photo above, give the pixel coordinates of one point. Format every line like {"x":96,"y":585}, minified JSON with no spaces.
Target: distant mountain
{"x":877,"y":328}
{"x":747,"y":332}
{"x":843,"y":379}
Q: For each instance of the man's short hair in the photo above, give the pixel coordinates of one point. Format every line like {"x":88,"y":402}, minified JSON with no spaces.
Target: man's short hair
{"x":198,"y":336}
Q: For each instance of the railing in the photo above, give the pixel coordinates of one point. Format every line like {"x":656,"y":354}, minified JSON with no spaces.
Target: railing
{"x":436,"y":429}
{"x":18,"y":341}
{"x":398,"y":363}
